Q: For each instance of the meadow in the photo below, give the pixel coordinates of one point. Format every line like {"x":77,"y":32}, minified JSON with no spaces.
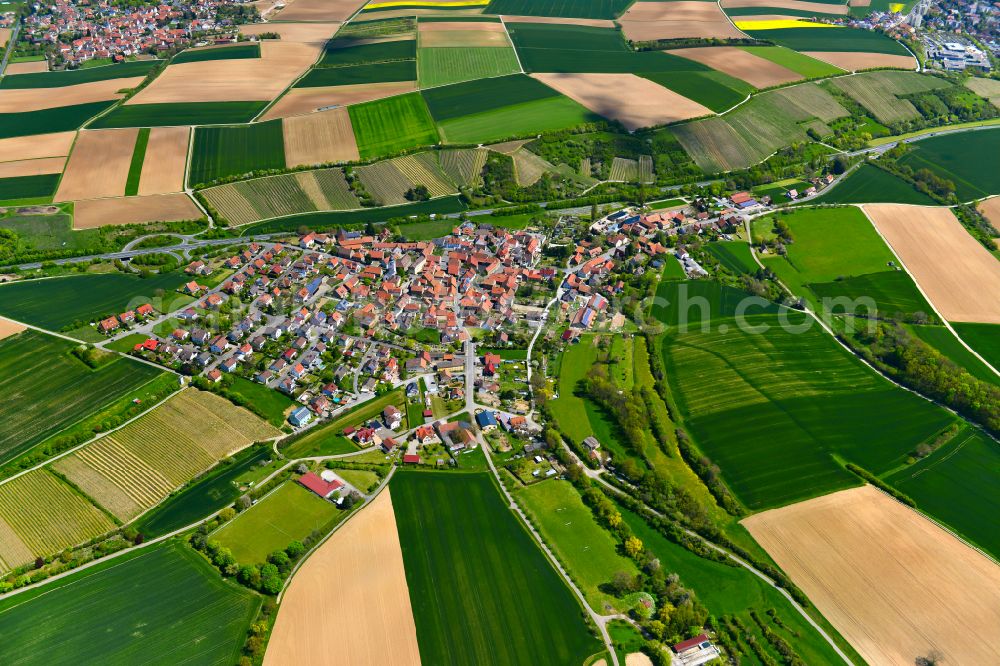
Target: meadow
{"x":597,"y":9}
{"x":513,"y":606}
{"x":870,"y":184}
{"x":796,"y":404}
{"x":235,"y":52}
{"x":165,"y":602}
{"x":957,"y":485}
{"x":28,"y":187}
{"x":809,"y":68}
{"x":178,"y":113}
{"x":45,"y":121}
{"x":441,"y":66}
{"x":32,"y":410}
{"x":969,"y":159}
{"x":588,"y":551}
{"x":40,"y":515}
{"x":734,"y":255}
{"x":389,"y":126}
{"x":984,"y":338}
{"x":699,"y":302}
{"x":77,"y":76}
{"x":734,"y":591}
{"x":230,"y":151}
{"x":894,"y":293}
{"x":945,"y":342}
{"x":61,"y":302}
{"x":289,"y":513}
{"x":214,"y":491}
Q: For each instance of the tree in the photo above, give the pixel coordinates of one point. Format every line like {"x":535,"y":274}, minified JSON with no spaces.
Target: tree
{"x":243,"y":502}
{"x":633,"y":545}
{"x":295,"y":549}
{"x":227,"y":514}
{"x":271,"y":585}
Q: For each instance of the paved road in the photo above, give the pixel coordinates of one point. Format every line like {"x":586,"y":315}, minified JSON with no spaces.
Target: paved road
{"x":7,"y":52}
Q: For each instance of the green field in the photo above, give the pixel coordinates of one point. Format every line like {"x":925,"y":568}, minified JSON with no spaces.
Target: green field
{"x":475,"y":97}
{"x":33,"y":410}
{"x":270,"y":404}
{"x":327,"y":438}
{"x":797,"y":62}
{"x":599,"y":9}
{"x":135,"y":168}
{"x":187,"y":113}
{"x":28,"y":187}
{"x":380,"y":72}
{"x":869,"y":184}
{"x":569,"y":410}
{"x":734,"y":255}
{"x":894,"y":293}
{"x":984,"y":338}
{"x":59,"y":302}
{"x":77,"y":76}
{"x":230,"y":151}
{"x":443,"y":65}
{"x":214,"y":491}
{"x":586,"y":549}
{"x":44,"y":121}
{"x":164,"y":603}
{"x":289,"y":513}
{"x":392,"y":125}
{"x":340,"y":54}
{"x":957,"y":485}
{"x":234,"y":52}
{"x":470,"y":561}
{"x":831,"y":39}
{"x":363,"y":479}
{"x":715,"y":90}
{"x":734,"y":591}
{"x":795,"y":403}
{"x":945,"y":342}
{"x":969,"y":159}
{"x":694,"y":302}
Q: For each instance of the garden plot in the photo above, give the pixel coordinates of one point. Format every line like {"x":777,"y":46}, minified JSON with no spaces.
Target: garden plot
{"x":650,"y":105}
{"x":741,"y":64}
{"x":98,"y":165}
{"x":893,"y":583}
{"x":675,"y":19}
{"x":134,"y":468}
{"x":463,"y":167}
{"x":365,"y":561}
{"x":958,"y":275}
{"x":175,"y":207}
{"x":319,"y":138}
{"x":43,"y":515}
{"x":36,"y":147}
{"x":298,"y":101}
{"x":20,"y":100}
{"x":165,"y":159}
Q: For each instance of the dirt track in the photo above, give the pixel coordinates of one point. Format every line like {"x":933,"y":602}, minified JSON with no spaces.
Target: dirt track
{"x":349,"y":603}
{"x":649,"y":104}
{"x":958,"y":275}
{"x":679,"y":18}
{"x":756,"y":71}
{"x":319,"y":138}
{"x":99,"y":164}
{"x":166,"y":157}
{"x":856,"y":61}
{"x":134,"y":210}
{"x":307,"y":100}
{"x":19,"y":100}
{"x":893,"y":583}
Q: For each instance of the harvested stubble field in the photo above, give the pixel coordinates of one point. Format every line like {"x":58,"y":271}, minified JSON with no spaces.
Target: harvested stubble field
{"x":893,"y":583}
{"x":794,"y":401}
{"x":300,"y":101}
{"x":37,"y":167}
{"x":277,"y":196}
{"x":165,"y":600}
{"x":319,"y":138}
{"x":135,"y":467}
{"x":958,"y":275}
{"x":250,"y":79}
{"x":743,"y":65}
{"x":94,"y":213}
{"x":514,"y":607}
{"x":364,"y":561}
{"x":35,"y":99}
{"x":674,"y":19}
{"x":464,"y":167}
{"x":652,"y":104}
{"x":98,"y":165}
{"x":31,"y":410}
{"x":41,"y":515}
{"x":166,"y":157}
{"x":36,"y":147}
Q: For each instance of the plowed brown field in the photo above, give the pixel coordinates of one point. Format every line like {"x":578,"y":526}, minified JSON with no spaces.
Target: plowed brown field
{"x":756,"y":71}
{"x":166,"y":157}
{"x":99,"y":164}
{"x":892,"y":582}
{"x":680,"y":18}
{"x":134,"y":210}
{"x":31,"y":167}
{"x":318,"y":10}
{"x":801,"y":5}
{"x":349,"y":603}
{"x":306,"y":100}
{"x":9,"y":328}
{"x":319,"y":138}
{"x":19,"y":100}
{"x":957,"y":274}
{"x":858,"y":61}
{"x":34,"y":147}
{"x":990,"y":208}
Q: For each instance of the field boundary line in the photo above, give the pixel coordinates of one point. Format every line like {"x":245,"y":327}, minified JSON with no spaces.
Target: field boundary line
{"x":512,"y":46}
{"x":947,"y":324}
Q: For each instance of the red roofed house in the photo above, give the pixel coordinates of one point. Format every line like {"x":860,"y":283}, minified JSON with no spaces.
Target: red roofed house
{"x":321,"y":487}
{"x":412,"y":458}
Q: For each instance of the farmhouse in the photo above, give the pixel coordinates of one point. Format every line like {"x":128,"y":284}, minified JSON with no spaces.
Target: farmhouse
{"x":321,"y":486}
{"x":695,"y":651}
